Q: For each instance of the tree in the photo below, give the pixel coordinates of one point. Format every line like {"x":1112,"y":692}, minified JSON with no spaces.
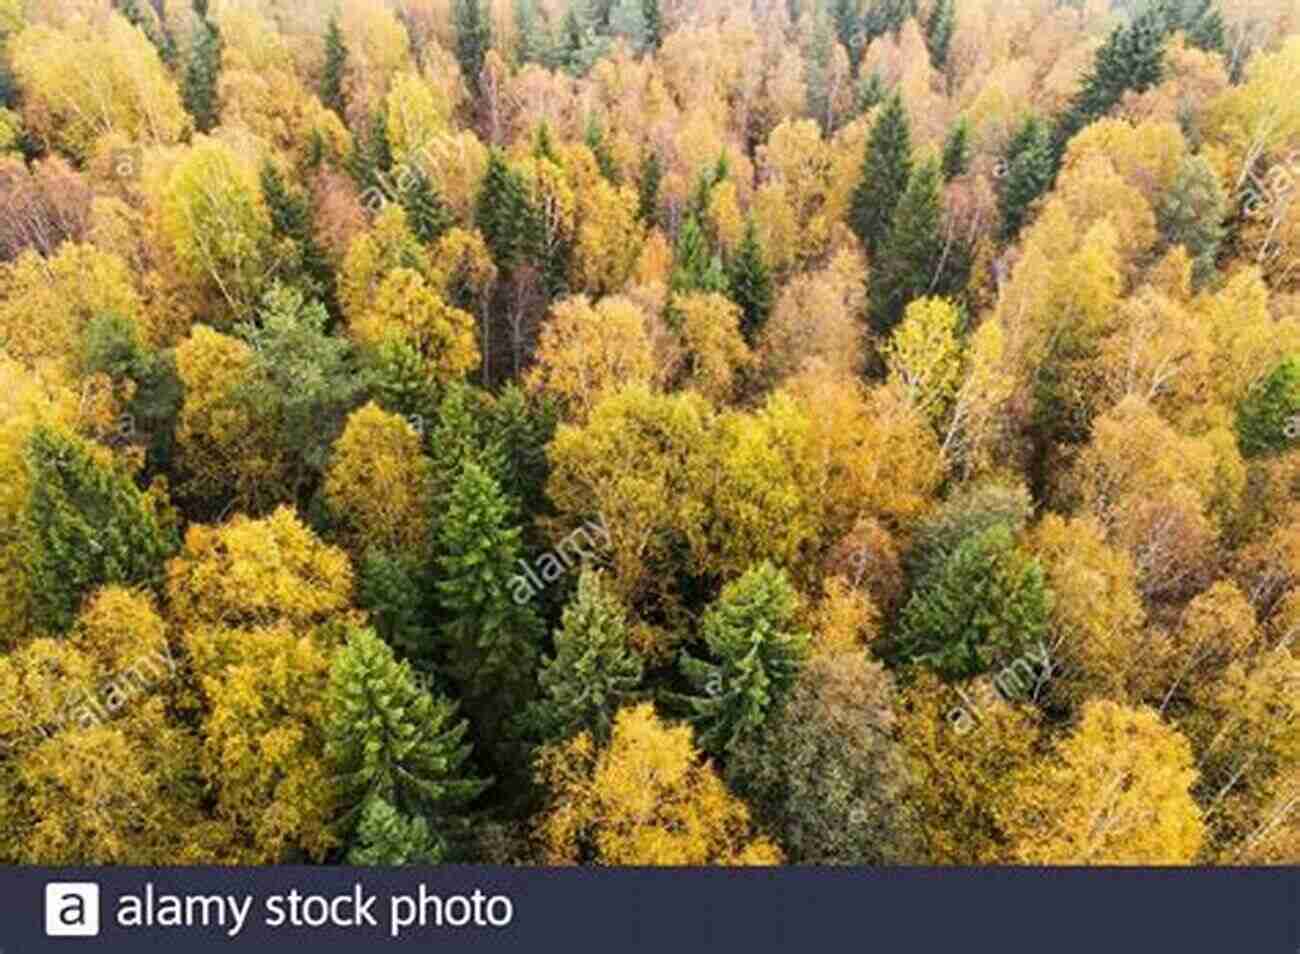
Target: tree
{"x":1268,"y":418}
{"x":258,"y":574}
{"x":924,"y":356}
{"x":395,"y":590}
{"x":87,"y":526}
{"x":695,"y":266}
{"x":886,"y":172}
{"x":202,"y":75}
{"x":1192,"y":214}
{"x":586,"y":351}
{"x":956,"y":151}
{"x":653,"y":18}
{"x":756,"y":657}
{"x":1029,"y":171}
{"x":491,"y":633}
{"x":378,"y":483}
{"x":749,"y":285}
{"x":501,"y":213}
{"x":593,"y":672}
{"x":385,"y":837}
{"x":332,"y":93}
{"x":939,"y":28}
{"x":390,"y":741}
{"x":301,"y":378}
{"x":1116,"y":792}
{"x":648,"y":183}
{"x":909,"y":257}
{"x":715,"y":351}
{"x":408,"y":315}
{"x":292,"y":221}
{"x":473,"y":39}
{"x":986,"y":604}
{"x":646,"y":798}
{"x":426,"y":212}
{"x":828,"y":776}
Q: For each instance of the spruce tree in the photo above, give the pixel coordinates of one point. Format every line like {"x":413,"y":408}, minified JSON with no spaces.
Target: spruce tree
{"x":473,"y":40}
{"x":386,"y":838}
{"x":627,"y":20}
{"x":886,"y":169}
{"x":652,"y":174}
{"x":394,"y":591}
{"x":755,"y":655}
{"x":750,"y":284}
{"x":653,"y":17}
{"x":389,"y":739}
{"x":1192,"y":213}
{"x":956,"y":151}
{"x":86,"y":525}
{"x":695,"y":266}
{"x":490,"y":630}
{"x":1268,"y":418}
{"x":1029,"y":168}
{"x":870,"y":93}
{"x":595,"y":141}
{"x":202,"y":73}
{"x":906,"y":266}
{"x":336,"y":64}
{"x":593,"y":672}
{"x":426,"y":213}
{"x":502,"y":213}
{"x":938,"y":32}
{"x":848,"y":30}
{"x":292,"y":221}
{"x":1131,"y":60}
{"x":984,"y":605}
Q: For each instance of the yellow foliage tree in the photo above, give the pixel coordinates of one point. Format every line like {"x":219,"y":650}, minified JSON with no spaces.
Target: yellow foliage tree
{"x":645,"y":799}
{"x":406,"y":310}
{"x":1116,"y":792}
{"x":379,"y":481}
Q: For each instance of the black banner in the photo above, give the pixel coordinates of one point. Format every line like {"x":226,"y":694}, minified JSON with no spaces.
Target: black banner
{"x":666,"y":911}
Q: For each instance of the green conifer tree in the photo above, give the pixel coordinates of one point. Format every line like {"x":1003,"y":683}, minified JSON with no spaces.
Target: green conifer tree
{"x":653,"y":17}
{"x":938,"y":31}
{"x":593,"y":672}
{"x":956,"y":151}
{"x":755,"y":655}
{"x":502,"y":213}
{"x":886,"y":169}
{"x":908,"y":266}
{"x":387,"y":838}
{"x":652,"y":174}
{"x":389,"y":739}
{"x":426,"y":213}
{"x":85,"y":526}
{"x":202,"y":74}
{"x":1028,"y":170}
{"x":749,"y":282}
{"x":336,"y":63}
{"x":473,"y":40}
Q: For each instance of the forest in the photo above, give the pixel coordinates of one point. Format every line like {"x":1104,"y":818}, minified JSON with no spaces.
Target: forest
{"x":649,"y":432}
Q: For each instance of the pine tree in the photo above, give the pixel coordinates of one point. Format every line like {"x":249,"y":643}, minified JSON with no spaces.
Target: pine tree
{"x":652,"y":174}
{"x":386,"y":838}
{"x":593,"y":672}
{"x":336,"y":64}
{"x":473,"y":40}
{"x":750,"y":284}
{"x":886,"y":169}
{"x":86,"y":526}
{"x":389,"y":739}
{"x":818,"y":74}
{"x":502,"y":213}
{"x":426,"y":213}
{"x":870,"y":93}
{"x":202,"y":74}
{"x":906,"y":265}
{"x":1029,"y":170}
{"x":956,"y":151}
{"x":490,"y":630}
{"x":938,"y":32}
{"x":627,"y":20}
{"x":755,"y":657}
{"x":654,"y":23}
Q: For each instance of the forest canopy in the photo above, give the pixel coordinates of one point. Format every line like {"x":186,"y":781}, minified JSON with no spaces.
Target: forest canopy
{"x":649,"y":432}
